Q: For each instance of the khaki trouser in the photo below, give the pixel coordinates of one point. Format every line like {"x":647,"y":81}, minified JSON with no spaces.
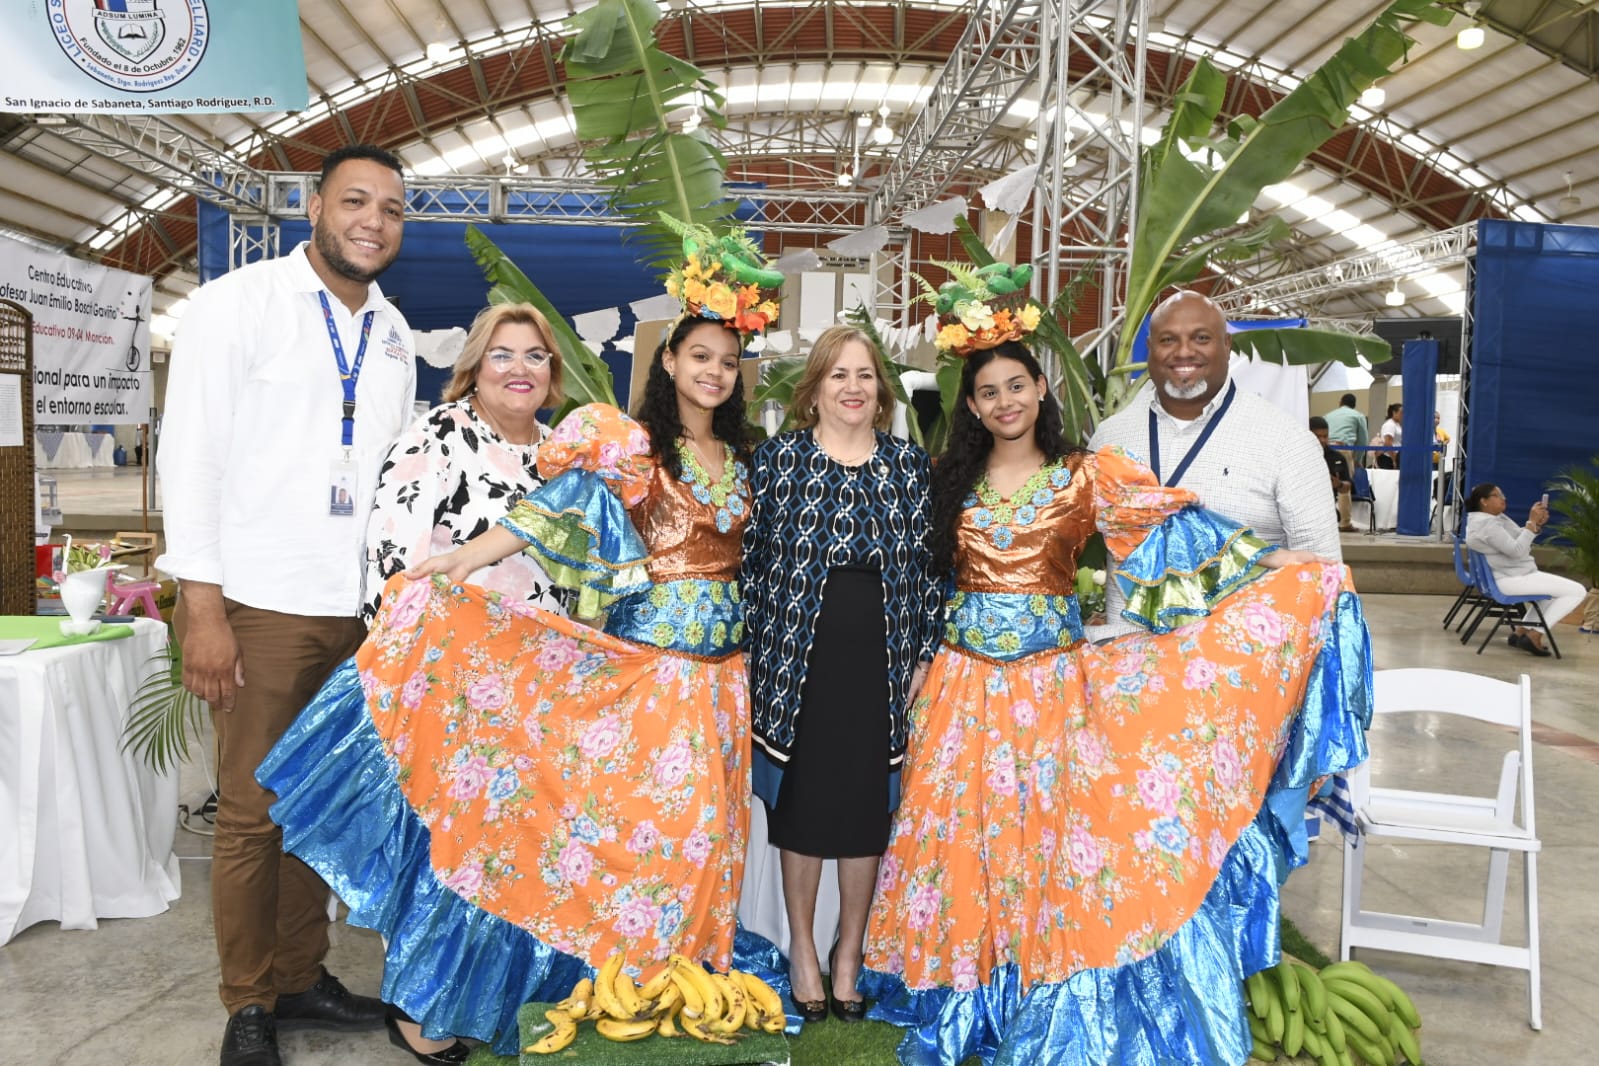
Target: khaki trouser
{"x":1590,"y":609}
{"x":269,"y":909}
{"x":1345,"y":502}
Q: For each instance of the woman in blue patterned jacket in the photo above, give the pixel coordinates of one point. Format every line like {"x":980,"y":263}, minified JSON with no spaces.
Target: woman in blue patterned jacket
{"x":842,"y":613}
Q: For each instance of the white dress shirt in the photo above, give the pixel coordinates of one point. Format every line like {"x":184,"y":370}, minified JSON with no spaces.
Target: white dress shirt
{"x":1260,"y":468}
{"x":252,"y":435}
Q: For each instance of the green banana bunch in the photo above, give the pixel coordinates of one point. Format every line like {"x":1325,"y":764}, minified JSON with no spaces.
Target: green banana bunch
{"x":1343,"y":1015}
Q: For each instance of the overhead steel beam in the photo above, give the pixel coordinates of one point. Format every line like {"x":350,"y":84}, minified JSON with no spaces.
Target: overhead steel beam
{"x":1355,"y":273}
{"x":155,"y":147}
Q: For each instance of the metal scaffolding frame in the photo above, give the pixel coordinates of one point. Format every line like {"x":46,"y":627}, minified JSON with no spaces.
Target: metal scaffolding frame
{"x":1353,"y":273}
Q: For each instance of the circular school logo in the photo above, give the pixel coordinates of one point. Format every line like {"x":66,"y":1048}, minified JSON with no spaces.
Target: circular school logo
{"x":137,"y":46}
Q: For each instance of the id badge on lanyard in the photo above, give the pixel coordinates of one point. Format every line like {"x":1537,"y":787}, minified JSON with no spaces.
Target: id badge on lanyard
{"x":342,"y":485}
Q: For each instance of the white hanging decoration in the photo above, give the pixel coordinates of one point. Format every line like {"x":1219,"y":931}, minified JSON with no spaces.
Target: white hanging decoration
{"x":780,"y":341}
{"x":624,"y":344}
{"x":440,"y":347}
{"x":798,"y":262}
{"x":861,"y":242}
{"x":656,"y":308}
{"x":597,"y":327}
{"x":1011,"y":192}
{"x":939,"y":217}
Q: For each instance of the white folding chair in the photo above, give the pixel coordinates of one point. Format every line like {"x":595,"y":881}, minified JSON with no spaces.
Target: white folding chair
{"x":1389,"y":814}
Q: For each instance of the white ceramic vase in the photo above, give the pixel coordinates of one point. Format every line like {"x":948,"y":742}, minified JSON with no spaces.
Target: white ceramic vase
{"x":81,"y":595}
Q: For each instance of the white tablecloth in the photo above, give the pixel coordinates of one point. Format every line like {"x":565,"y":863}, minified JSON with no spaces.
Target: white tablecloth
{"x":85,"y":830}
{"x":1385,"y":487}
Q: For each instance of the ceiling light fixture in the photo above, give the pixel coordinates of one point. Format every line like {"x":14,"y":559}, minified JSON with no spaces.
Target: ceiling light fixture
{"x":884,"y":133}
{"x":438,"y":53}
{"x":1395,"y":298}
{"x":1472,"y":36}
{"x":1373,"y":98}
{"x":845,"y":179}
{"x":1570,"y":203}
{"x":863,"y":121}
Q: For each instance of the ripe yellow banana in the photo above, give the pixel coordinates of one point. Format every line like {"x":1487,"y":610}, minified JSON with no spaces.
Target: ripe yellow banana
{"x":667,"y":1027}
{"x":768,"y":1004}
{"x":605,"y":989}
{"x":693,"y":1002}
{"x":627,"y":995}
{"x":657,"y":985}
{"x":732,"y":992}
{"x":695,"y":1027}
{"x":703,"y":985}
{"x":625,"y":1032}
{"x":576,"y":1005}
{"x":670,"y":1002}
{"x":563,"y":1031}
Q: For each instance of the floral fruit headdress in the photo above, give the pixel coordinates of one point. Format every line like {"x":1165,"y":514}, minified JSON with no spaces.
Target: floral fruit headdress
{"x":982,"y":308}
{"x":724,"y":279}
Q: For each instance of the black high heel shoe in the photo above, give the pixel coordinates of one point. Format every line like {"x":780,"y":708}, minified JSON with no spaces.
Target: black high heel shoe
{"x":845,"y":1010}
{"x":454,"y":1055}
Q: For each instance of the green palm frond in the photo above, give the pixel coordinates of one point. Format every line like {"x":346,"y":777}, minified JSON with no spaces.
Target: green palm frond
{"x":164,"y":716}
{"x":1308,"y":347}
{"x":1574,"y":497}
{"x":622,"y":87}
{"x":584,"y":376}
{"x":1182,"y":202}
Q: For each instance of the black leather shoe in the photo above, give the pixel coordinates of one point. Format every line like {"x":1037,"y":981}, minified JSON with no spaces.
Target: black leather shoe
{"x":251,"y":1039}
{"x":453,"y":1055}
{"x":845,"y":1010}
{"x":329,"y":1005}
{"x":811,"y":1010}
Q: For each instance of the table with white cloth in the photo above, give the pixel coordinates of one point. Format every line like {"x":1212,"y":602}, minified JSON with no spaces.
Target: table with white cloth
{"x":86,"y":829}
{"x":1385,"y":487}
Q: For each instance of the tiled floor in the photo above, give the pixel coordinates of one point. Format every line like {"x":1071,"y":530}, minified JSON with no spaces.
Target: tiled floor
{"x":142,"y":992}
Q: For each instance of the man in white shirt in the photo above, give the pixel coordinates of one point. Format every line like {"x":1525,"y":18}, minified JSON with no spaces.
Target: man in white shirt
{"x":290,"y":379}
{"x":1243,"y":457}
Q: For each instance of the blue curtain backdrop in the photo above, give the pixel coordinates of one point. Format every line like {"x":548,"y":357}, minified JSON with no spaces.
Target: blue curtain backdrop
{"x":1533,"y":407}
{"x":437,"y":285}
{"x":1420,"y":363}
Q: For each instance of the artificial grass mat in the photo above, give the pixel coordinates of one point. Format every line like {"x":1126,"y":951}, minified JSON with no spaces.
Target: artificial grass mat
{"x":831,"y":1043}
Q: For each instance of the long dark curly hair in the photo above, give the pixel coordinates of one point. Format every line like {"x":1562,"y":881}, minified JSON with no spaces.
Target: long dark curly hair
{"x":966,"y":455}
{"x":657,"y":411}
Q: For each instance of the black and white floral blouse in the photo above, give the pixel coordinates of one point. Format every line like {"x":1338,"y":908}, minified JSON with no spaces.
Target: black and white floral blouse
{"x":447,"y":479}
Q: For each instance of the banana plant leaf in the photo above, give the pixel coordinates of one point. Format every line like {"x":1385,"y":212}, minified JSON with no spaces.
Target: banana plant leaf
{"x":164,"y":715}
{"x":622,"y":87}
{"x":585,"y":377}
{"x":1183,"y":201}
{"x":1308,"y":347}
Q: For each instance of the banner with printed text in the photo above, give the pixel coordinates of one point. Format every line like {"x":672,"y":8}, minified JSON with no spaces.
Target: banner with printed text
{"x":152,"y":56}
{"x":91,"y":336}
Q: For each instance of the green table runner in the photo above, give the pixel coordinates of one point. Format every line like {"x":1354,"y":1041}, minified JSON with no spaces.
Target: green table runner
{"x":46,"y":632}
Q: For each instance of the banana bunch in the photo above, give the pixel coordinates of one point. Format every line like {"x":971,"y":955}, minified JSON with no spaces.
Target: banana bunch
{"x":681,"y":999}
{"x":1341,"y":1016}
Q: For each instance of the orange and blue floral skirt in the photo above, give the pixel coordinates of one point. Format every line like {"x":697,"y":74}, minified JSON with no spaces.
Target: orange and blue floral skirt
{"x":1086,"y":859}
{"x":509,"y":796}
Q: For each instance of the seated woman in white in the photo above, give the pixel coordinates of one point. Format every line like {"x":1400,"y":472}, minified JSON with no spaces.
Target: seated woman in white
{"x":1507,"y":548}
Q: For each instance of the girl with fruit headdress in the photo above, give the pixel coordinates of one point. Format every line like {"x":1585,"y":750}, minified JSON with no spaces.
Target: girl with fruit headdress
{"x":1085,"y":862}
{"x":513,"y":798}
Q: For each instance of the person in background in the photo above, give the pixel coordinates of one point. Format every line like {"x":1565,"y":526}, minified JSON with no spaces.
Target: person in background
{"x":1346,"y":428}
{"x":290,"y":377}
{"x":842,"y":612}
{"x":1391,"y":437}
{"x":1507,"y":549}
{"x":460,"y":468}
{"x":1440,"y":435}
{"x":1337,"y":469}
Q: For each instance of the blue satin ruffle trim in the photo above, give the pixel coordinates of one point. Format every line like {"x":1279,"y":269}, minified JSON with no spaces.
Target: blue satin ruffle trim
{"x":457,"y":969}
{"x":693,"y":615}
{"x":1012,"y":625}
{"x":579,"y":532}
{"x":1184,"y":566}
{"x":1183,"y":1003}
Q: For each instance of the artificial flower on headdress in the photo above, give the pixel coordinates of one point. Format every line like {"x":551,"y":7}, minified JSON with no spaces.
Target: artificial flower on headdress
{"x":724,"y":278}
{"x":982,"y":308}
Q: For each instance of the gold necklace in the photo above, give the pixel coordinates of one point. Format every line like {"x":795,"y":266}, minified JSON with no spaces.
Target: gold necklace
{"x":856,"y":460}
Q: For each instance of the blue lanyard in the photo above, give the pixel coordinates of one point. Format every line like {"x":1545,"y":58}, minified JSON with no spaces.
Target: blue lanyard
{"x":348,"y":375}
{"x":1195,"y":448}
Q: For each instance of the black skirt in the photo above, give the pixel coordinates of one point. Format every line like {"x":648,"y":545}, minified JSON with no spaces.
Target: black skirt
{"x":833,"y":802}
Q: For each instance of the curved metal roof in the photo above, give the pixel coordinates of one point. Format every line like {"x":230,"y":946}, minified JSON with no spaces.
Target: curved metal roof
{"x":472,"y":88}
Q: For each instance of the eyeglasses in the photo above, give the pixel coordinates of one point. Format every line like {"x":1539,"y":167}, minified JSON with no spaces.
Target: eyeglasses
{"x":501,"y":359}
